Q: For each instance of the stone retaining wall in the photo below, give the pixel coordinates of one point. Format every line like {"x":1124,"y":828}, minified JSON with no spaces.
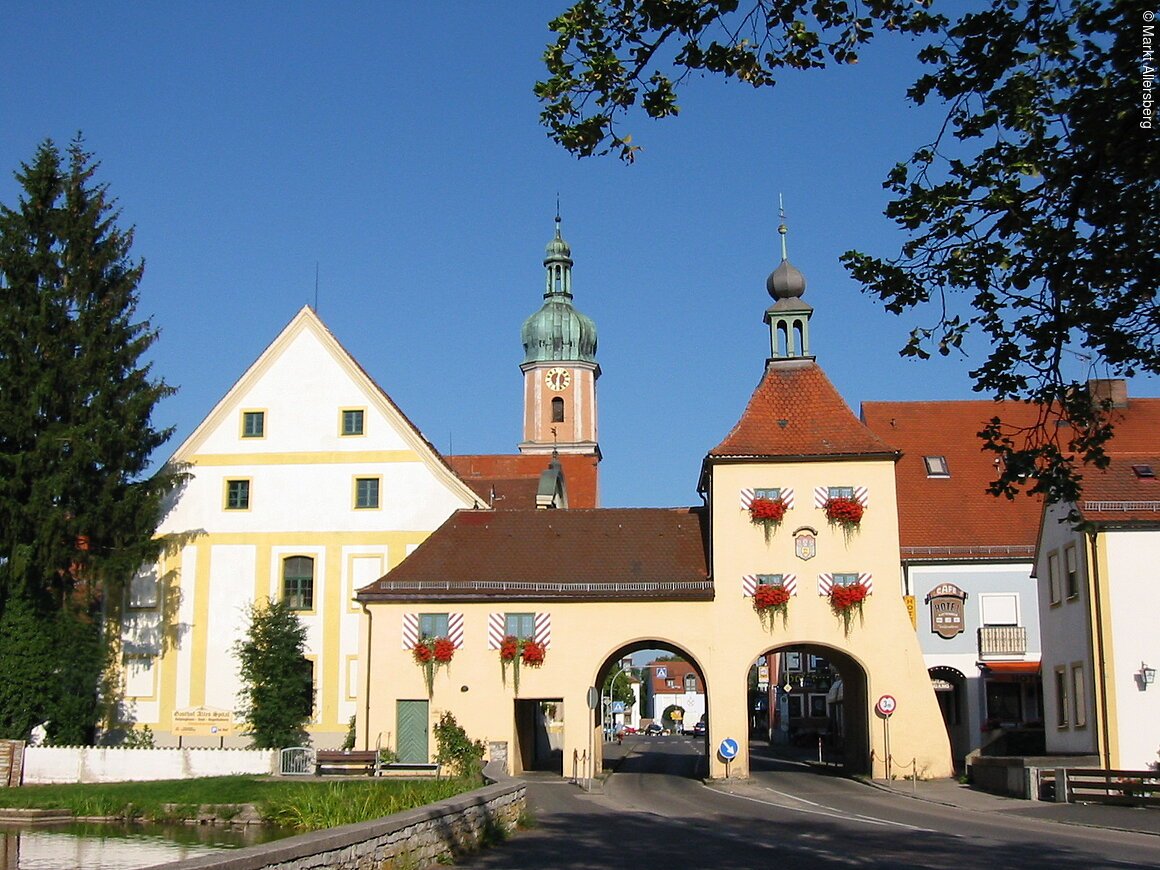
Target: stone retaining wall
{"x":416,"y":838}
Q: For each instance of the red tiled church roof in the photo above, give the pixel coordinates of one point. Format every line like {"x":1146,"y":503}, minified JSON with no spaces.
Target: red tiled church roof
{"x":516,"y":477}
{"x":795,"y":412}
{"x":954,"y":517}
{"x":606,"y":554}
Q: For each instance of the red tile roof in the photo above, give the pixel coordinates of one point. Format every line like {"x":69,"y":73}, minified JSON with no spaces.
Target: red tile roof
{"x":516,"y":477}
{"x":954,"y":517}
{"x":593,"y":555}
{"x":676,"y":671}
{"x":795,"y":412}
{"x":1117,"y":494}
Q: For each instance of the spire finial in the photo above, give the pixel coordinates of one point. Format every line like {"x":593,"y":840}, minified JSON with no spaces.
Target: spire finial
{"x":781,"y":228}
{"x":557,"y":214}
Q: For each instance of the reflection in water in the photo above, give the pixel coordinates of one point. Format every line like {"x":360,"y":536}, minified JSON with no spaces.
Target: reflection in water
{"x":79,"y":846}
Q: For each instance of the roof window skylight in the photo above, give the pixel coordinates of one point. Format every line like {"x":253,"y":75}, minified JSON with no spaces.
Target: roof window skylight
{"x":936,"y":466}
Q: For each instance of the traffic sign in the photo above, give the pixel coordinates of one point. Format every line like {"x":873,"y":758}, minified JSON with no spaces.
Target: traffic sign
{"x":886,"y":705}
{"x":728,"y":749}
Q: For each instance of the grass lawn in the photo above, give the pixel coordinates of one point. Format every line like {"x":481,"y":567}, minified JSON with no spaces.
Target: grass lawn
{"x":302,"y":804}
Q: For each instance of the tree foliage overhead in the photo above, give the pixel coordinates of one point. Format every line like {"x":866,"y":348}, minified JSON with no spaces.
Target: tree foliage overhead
{"x":1029,"y":217}
{"x":77,"y":510}
{"x":277,"y":694}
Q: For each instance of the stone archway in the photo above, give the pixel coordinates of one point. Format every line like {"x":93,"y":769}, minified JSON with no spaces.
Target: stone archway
{"x":950,"y":688}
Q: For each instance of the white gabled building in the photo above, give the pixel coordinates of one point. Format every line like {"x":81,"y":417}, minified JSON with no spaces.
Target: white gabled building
{"x":306,"y":482}
{"x":1099,"y":598}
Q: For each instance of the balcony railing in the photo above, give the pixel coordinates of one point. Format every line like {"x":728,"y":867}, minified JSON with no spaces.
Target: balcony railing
{"x":1002,"y":640}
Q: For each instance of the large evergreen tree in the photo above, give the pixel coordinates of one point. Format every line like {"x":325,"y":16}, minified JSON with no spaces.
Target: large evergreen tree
{"x":277,"y":696}
{"x":78,"y":511}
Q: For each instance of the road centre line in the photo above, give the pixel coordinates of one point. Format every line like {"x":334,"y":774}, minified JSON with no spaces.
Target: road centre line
{"x":827,"y":812}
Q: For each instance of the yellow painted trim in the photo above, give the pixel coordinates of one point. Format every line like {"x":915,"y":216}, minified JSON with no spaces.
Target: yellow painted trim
{"x":171,"y":577}
{"x":1111,"y":729}
{"x":319,"y":457}
{"x":242,"y":413}
{"x":226,"y":494}
{"x":332,"y":676}
{"x":199,"y":631}
{"x":354,"y":505}
{"x":351,"y":682}
{"x":342,"y":412}
{"x":316,"y":713}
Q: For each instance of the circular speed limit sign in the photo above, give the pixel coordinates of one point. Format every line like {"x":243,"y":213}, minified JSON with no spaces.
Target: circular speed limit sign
{"x":886,"y":705}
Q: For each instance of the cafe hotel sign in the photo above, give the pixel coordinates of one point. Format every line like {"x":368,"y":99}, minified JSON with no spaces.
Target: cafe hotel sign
{"x":946,"y":610}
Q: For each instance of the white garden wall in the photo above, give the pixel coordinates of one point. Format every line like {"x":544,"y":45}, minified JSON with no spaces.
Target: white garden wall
{"x":48,"y":764}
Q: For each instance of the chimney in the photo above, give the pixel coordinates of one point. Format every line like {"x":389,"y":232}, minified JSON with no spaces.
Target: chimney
{"x":1115,"y":389}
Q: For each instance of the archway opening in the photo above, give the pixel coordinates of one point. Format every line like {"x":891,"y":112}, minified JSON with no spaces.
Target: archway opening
{"x":652,"y":711}
{"x":808,"y":703}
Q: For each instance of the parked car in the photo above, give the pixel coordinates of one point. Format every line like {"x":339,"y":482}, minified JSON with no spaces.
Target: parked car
{"x":654,"y":730}
{"x":627,"y":729}
{"x":700,"y":729}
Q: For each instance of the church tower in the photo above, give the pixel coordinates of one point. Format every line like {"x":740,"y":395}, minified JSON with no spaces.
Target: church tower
{"x":560,"y":368}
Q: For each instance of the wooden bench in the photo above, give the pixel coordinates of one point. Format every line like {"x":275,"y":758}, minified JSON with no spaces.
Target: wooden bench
{"x":359,"y":761}
{"x":408,"y":768}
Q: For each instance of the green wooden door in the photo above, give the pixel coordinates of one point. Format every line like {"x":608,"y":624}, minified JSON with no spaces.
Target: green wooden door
{"x":411,"y":717}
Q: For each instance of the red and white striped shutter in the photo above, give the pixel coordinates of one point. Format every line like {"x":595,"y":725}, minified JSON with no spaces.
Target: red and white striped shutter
{"x":748,"y":585}
{"x":863,"y":495}
{"x":821,"y":493}
{"x":789,"y":582}
{"x":825,"y":583}
{"x":495,"y":627}
{"x":543,"y":633}
{"x":410,"y":630}
{"x":867,"y":580}
{"x":787,"y":497}
{"x":746,"y":499}
{"x":455,"y":629}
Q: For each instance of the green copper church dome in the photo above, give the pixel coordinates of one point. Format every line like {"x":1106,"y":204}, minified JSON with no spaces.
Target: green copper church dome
{"x":558,"y":331}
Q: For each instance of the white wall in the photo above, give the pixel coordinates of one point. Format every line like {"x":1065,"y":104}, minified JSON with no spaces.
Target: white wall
{"x":49,"y":764}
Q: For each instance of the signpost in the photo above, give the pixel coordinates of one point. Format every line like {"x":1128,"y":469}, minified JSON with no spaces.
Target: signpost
{"x":885,"y":708}
{"x":203,"y":722}
{"x":728,"y":751}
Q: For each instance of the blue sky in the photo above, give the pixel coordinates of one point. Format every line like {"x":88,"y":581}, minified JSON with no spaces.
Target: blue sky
{"x":396,"y":148}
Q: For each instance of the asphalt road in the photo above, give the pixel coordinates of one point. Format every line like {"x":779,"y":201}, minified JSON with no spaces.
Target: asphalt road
{"x":655,"y":812}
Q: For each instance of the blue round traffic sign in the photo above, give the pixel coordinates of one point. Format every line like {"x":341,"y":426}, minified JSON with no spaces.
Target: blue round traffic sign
{"x":728,"y":748}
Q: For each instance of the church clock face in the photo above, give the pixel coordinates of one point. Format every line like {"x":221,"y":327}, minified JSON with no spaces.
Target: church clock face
{"x":557,"y":379}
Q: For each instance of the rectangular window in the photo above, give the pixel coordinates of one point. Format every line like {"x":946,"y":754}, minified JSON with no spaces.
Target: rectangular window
{"x":794,"y":708}
{"x":237,"y":495}
{"x":773,"y":493}
{"x":817,"y":706}
{"x":936,"y":466}
{"x":1061,"y":697}
{"x":366,"y":493}
{"x":793,"y":661}
{"x":845,"y":579}
{"x":352,"y":421}
{"x":690,"y":683}
{"x":253,"y":424}
{"x":1072,"y":572}
{"x":999,"y":608}
{"x":433,"y":625}
{"x":770,"y":579}
{"x":840,"y":492}
{"x":1079,"y":696}
{"x":520,"y":625}
{"x":1053,"y":577}
{"x":143,"y":590}
{"x":298,"y":582}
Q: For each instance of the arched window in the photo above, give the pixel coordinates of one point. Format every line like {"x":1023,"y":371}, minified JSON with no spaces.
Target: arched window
{"x":298,"y":582}
{"x":557,"y":410}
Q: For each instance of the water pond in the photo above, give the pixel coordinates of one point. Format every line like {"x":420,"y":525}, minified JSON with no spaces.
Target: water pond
{"x":91,"y":846}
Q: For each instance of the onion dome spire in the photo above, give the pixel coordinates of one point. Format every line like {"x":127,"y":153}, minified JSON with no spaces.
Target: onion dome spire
{"x":558,"y":331}
{"x":788,"y":318}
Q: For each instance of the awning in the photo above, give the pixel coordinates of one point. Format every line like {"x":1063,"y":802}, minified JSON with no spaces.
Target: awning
{"x":1010,"y":667}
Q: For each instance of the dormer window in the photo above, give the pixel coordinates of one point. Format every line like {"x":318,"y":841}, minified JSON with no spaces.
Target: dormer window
{"x":1144,"y":472}
{"x":936,"y":466}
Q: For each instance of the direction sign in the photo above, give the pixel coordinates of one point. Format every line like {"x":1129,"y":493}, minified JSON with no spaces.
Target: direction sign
{"x":728,"y":749}
{"x":886,"y":705}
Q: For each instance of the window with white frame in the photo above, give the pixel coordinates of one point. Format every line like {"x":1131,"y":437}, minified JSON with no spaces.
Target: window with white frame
{"x":1053,"y":577}
{"x":520,"y":625}
{"x":999,"y":608}
{"x":840,"y":492}
{"x":433,"y":625}
{"x":770,"y":579}
{"x":1071,"y":563}
{"x":298,"y":582}
{"x":1078,"y":696}
{"x":773,"y":493}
